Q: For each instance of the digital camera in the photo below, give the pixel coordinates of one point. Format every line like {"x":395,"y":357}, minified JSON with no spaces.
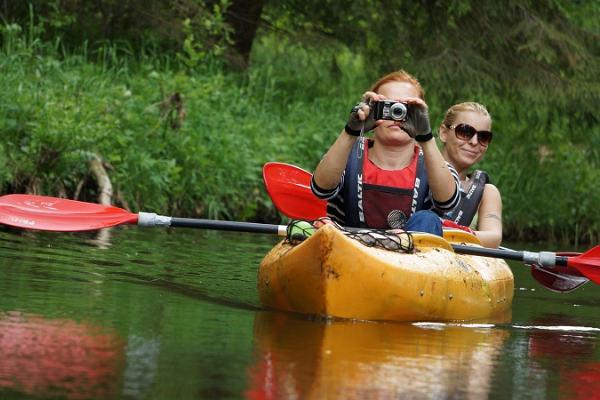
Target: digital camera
{"x":389,"y":109}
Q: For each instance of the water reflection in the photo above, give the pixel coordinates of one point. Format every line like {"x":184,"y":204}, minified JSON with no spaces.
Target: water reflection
{"x":102,"y":238}
{"x":58,"y":358}
{"x":299,"y":358}
{"x":172,"y":314}
{"x":564,"y":350}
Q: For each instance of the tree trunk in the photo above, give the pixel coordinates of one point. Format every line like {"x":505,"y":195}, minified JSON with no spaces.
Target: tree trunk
{"x":244,"y":18}
{"x":105,"y":190}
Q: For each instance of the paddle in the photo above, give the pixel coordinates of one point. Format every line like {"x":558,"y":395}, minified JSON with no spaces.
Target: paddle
{"x":558,"y":278}
{"x":586,"y":264}
{"x":289,"y":189}
{"x":54,"y":214}
{"x":64,"y":215}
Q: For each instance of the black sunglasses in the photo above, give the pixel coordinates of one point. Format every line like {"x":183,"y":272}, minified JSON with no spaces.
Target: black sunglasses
{"x":466,"y":132}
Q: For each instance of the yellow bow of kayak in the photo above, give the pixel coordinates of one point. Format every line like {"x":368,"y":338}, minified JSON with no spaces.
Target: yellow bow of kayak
{"x":331,"y":274}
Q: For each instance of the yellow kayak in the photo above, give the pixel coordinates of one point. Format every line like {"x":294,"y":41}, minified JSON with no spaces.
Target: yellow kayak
{"x":331,"y":274}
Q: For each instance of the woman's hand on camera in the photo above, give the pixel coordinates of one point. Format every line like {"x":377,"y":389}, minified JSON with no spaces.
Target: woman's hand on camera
{"x":361,"y":114}
{"x":417,"y":119}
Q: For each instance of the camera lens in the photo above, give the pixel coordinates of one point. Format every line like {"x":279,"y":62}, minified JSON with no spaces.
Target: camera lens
{"x":398,"y":111}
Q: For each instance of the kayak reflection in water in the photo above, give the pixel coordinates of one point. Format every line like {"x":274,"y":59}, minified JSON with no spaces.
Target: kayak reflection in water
{"x":466,"y":132}
{"x":308,"y":359}
{"x":397,"y":179}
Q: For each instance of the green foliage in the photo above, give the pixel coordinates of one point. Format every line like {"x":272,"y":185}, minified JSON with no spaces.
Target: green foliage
{"x":177,"y":140}
{"x":197,"y":51}
{"x":198,"y":28}
{"x":183,"y":135}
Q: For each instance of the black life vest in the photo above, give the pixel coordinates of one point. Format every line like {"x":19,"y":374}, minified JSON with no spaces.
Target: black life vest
{"x":468,"y":205}
{"x":377,"y":206}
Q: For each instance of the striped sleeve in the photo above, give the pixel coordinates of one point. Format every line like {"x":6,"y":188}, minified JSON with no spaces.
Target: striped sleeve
{"x":452,"y":202}
{"x":326,"y":194}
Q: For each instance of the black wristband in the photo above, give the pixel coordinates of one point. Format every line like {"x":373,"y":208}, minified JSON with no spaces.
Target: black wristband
{"x":351,"y":131}
{"x":424,"y":138}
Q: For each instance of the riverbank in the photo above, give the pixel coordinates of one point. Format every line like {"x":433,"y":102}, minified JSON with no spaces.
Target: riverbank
{"x":191,"y":141}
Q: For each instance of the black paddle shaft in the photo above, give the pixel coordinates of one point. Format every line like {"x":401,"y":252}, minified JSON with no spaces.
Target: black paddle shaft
{"x":225,"y":225}
{"x":544,"y":258}
{"x":154,"y":220}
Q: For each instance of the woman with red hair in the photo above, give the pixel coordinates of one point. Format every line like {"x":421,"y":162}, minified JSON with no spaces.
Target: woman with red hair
{"x":397,"y":179}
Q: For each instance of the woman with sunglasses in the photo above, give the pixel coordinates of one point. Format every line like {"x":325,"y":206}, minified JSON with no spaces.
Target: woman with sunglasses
{"x":395,"y":179}
{"x":466,"y":134}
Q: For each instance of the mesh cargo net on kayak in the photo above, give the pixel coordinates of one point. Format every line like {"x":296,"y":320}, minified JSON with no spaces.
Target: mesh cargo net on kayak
{"x":393,"y":240}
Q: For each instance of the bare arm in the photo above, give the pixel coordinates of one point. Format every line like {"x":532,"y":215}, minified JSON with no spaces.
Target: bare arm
{"x":489,"y":223}
{"x":329,"y":171}
{"x":442,"y":184}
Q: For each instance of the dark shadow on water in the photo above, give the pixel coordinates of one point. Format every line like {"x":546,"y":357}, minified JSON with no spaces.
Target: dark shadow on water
{"x":181,"y":289}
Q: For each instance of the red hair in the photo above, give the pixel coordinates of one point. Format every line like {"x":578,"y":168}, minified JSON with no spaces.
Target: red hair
{"x":399,"y":76}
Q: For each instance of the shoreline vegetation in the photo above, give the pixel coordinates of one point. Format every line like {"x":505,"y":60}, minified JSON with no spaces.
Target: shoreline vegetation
{"x":184,"y":133}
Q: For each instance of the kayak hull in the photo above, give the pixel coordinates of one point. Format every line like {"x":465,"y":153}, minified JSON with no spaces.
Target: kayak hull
{"x":330,"y":274}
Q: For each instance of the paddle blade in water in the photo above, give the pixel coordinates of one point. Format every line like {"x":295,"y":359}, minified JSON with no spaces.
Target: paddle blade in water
{"x":558,"y":279}
{"x":289,"y":189}
{"x":54,"y":214}
{"x":588,"y":264}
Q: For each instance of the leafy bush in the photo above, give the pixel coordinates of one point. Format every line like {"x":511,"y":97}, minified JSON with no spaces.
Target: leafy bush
{"x":190,"y":138}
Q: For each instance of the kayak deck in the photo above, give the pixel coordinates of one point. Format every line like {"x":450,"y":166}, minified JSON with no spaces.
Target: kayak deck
{"x":332,"y":275}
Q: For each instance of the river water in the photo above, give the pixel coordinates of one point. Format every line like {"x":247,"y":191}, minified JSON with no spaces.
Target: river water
{"x":133,"y":313}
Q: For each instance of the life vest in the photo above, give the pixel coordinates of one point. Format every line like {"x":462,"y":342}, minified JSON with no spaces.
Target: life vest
{"x":468,"y":205}
{"x":381,"y":199}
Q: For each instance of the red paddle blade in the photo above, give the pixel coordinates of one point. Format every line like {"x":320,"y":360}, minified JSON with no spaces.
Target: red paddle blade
{"x":558,"y":279}
{"x":588,"y":264}
{"x":54,"y":214}
{"x":289,"y":189}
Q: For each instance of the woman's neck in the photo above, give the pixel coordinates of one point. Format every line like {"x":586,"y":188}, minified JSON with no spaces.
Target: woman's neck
{"x":391,"y":158}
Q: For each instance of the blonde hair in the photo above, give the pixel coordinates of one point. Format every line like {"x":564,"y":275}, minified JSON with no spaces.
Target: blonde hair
{"x":399,"y":76}
{"x":453,"y":111}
